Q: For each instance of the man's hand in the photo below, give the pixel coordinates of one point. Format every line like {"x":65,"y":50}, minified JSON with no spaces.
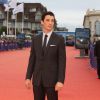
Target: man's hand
{"x":28,"y":83}
{"x":58,"y":86}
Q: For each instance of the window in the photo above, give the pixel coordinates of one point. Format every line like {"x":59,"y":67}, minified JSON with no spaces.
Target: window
{"x":97,"y":27}
{"x":33,"y":26}
{"x":38,"y":16}
{"x":26,"y":24}
{"x":90,"y":25}
{"x":1,"y":24}
{"x":25,"y":16}
{"x":33,"y":10}
{"x":1,"y":15}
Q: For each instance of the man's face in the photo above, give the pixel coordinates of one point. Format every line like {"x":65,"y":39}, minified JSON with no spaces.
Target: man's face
{"x":48,"y":23}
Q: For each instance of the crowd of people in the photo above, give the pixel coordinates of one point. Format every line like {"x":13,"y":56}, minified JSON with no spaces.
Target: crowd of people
{"x":95,"y":54}
{"x":11,"y":43}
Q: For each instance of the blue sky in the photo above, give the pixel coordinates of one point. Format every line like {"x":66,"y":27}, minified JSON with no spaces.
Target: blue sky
{"x":69,"y":13}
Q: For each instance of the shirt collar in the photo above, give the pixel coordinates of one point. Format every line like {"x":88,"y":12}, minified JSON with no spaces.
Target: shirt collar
{"x":48,"y":34}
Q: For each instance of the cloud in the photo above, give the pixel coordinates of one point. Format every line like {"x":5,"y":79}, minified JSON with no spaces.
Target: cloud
{"x":70,"y":18}
{"x":69,"y":12}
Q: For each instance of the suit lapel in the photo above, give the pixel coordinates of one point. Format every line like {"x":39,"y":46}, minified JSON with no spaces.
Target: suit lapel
{"x":39,"y":42}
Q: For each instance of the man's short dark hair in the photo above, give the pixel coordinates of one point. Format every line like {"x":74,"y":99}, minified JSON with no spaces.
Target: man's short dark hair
{"x":47,"y":13}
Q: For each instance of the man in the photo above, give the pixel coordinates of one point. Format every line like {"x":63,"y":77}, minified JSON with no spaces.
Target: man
{"x":97,"y":54}
{"x":47,"y":61}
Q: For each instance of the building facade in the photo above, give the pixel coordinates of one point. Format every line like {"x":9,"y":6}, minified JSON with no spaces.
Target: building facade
{"x":30,"y":18}
{"x":92,"y":21}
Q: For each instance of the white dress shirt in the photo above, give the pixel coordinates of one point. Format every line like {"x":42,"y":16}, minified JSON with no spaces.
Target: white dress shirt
{"x":48,"y":34}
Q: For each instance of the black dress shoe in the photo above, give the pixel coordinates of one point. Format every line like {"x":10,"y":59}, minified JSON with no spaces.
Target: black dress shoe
{"x":98,"y":77}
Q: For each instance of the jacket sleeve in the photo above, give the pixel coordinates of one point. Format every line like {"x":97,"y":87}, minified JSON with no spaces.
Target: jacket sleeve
{"x":95,"y":49}
{"x":31,"y":64}
{"x":61,"y":61}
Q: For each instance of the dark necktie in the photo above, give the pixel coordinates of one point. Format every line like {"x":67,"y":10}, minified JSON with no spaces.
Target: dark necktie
{"x":44,"y":43}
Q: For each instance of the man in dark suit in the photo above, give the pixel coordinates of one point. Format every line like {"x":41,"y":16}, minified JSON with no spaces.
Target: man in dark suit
{"x":47,"y":61}
{"x":97,"y":54}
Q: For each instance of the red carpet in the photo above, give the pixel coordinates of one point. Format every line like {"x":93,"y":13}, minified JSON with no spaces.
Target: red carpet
{"x":81,"y":81}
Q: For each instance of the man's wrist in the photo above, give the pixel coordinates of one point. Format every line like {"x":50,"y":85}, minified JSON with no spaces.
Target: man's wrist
{"x":60,"y":84}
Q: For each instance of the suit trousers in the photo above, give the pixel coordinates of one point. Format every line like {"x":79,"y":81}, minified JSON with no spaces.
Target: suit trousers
{"x":40,"y":92}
